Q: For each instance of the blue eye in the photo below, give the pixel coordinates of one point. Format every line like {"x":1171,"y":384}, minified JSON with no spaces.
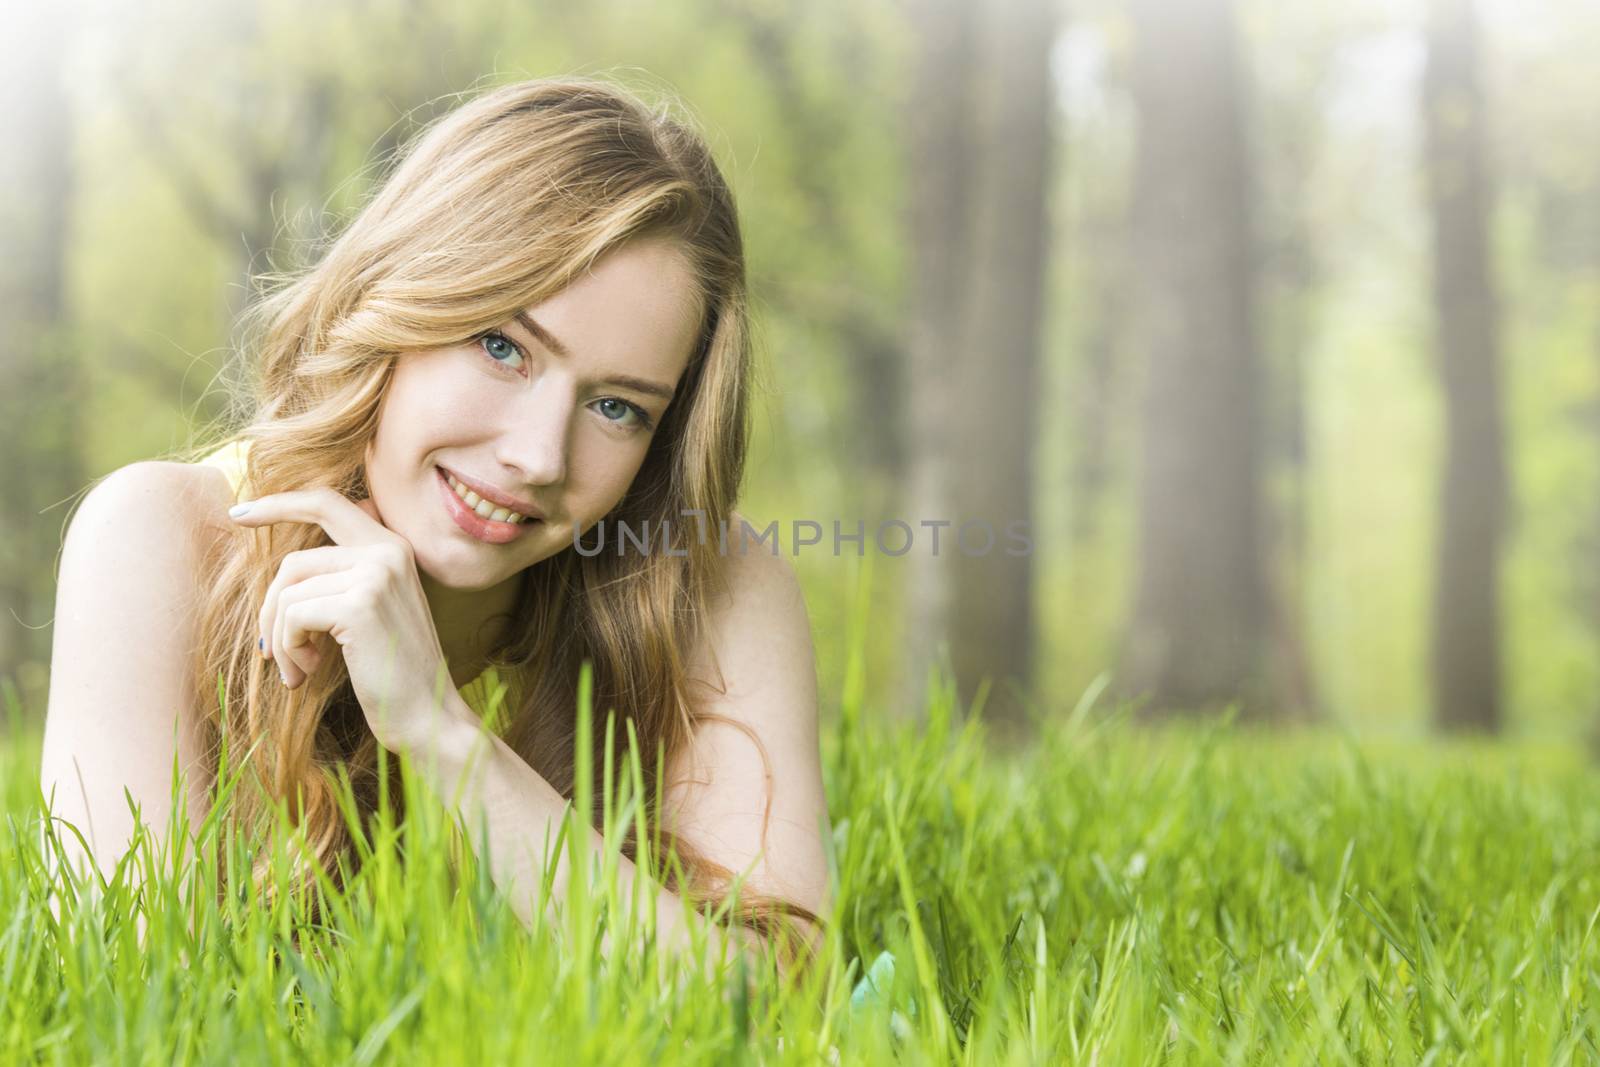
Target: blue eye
{"x":623,"y":408}
{"x":499,"y":347}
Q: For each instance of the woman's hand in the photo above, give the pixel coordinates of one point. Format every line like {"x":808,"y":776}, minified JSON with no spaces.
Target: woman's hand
{"x":363,"y":591}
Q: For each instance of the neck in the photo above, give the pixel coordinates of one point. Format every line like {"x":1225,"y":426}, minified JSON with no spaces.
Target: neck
{"x":466,"y":623}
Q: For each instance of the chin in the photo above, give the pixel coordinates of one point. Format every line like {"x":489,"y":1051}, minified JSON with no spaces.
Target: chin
{"x":461,"y":575}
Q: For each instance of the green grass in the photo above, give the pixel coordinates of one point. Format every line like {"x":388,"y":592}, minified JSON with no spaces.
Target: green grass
{"x":1114,"y":895}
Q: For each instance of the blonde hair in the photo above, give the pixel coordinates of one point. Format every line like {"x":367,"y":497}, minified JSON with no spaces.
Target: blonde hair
{"x":498,"y":205}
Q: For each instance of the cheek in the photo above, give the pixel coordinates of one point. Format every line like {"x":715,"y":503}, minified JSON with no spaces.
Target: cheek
{"x":601,"y":474}
{"x":433,"y":390}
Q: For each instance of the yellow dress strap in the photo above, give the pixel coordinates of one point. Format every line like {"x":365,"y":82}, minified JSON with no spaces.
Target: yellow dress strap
{"x":486,"y":694}
{"x":230,"y":459}
{"x":490,"y":698}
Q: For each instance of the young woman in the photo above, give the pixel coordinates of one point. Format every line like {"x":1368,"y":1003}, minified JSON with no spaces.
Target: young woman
{"x":537,"y":323}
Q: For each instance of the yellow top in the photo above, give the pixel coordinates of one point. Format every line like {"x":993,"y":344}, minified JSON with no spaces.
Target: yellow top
{"x":486,"y":694}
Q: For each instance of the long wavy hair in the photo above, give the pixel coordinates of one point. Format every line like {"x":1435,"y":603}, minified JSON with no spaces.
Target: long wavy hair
{"x":497,"y":205}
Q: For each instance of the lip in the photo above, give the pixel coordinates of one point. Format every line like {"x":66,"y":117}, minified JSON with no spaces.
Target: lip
{"x":487,"y":530}
{"x":494,"y":496}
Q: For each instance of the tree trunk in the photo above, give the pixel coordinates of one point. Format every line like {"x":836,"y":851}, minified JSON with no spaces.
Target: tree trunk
{"x":979,"y":125}
{"x":940,"y":151}
{"x":1198,"y":631}
{"x":1290,"y":95}
{"x":1466,"y":602}
{"x":991,"y":625}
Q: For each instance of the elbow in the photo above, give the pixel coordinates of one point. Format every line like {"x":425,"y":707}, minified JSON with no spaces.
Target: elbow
{"x":789,"y":944}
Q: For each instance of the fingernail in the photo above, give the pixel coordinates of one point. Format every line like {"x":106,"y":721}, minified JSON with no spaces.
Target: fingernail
{"x":239,"y":509}
{"x":261,"y":644}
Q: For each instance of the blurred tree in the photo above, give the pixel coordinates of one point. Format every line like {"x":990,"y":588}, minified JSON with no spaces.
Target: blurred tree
{"x":869,"y":345}
{"x":1103,"y":321}
{"x":998,"y":373}
{"x":980,"y":126}
{"x":941,"y":148}
{"x":1198,"y":635}
{"x":1290,"y":91}
{"x":284,"y":121}
{"x":1082,"y":497}
{"x":40,"y":393}
{"x":1466,"y":604}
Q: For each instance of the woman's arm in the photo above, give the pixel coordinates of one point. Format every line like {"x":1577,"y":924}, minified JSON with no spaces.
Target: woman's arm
{"x":119,"y":708}
{"x":481,"y":777}
{"x":762,"y":641}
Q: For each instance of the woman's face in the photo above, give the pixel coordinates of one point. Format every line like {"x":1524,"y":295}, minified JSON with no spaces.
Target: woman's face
{"x":556,"y":409}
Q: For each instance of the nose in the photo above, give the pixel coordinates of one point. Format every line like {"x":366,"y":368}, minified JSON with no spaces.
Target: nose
{"x":535,"y":443}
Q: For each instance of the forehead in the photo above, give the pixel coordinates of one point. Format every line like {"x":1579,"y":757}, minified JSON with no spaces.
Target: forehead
{"x":636,"y":311}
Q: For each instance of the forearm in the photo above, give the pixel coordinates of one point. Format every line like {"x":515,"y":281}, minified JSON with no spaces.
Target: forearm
{"x":496,"y":792}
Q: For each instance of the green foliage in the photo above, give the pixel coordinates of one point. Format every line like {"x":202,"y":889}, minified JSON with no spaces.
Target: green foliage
{"x":213,"y":142}
{"x":1194,"y":894}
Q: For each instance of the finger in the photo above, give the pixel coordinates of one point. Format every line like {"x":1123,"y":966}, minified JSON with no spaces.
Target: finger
{"x":300,"y":653}
{"x":297,"y":567}
{"x":333,"y":615}
{"x":308,"y":658}
{"x":346,"y":521}
{"x":298,"y":658}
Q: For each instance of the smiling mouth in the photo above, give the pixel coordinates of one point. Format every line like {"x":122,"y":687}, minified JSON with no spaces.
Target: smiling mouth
{"x":497,"y":513}
{"x":466,"y":517}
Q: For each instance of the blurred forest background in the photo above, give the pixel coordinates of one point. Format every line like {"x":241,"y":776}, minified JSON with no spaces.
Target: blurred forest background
{"x":1278,"y":323}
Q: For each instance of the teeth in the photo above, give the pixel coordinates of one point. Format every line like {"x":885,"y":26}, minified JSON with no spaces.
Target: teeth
{"x":482,"y":507}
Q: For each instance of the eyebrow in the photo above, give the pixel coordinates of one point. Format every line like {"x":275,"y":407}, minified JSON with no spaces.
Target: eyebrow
{"x":626,"y":381}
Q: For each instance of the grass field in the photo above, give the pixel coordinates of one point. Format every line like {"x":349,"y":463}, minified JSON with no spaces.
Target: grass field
{"x":1116,"y":895}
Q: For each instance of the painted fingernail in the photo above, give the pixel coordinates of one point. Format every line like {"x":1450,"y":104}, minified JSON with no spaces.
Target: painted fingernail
{"x":237,"y":510}
{"x":261,"y":644}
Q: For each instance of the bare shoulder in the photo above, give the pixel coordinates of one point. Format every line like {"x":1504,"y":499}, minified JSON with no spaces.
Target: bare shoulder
{"x":757,"y":611}
{"x":138,"y":539}
{"x":753,"y":661}
{"x":120,"y":704}
{"x":184,"y":505}
{"x":747,"y":789}
{"x":753,"y":658}
{"x":131,"y":572}
{"x":199,"y":488}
